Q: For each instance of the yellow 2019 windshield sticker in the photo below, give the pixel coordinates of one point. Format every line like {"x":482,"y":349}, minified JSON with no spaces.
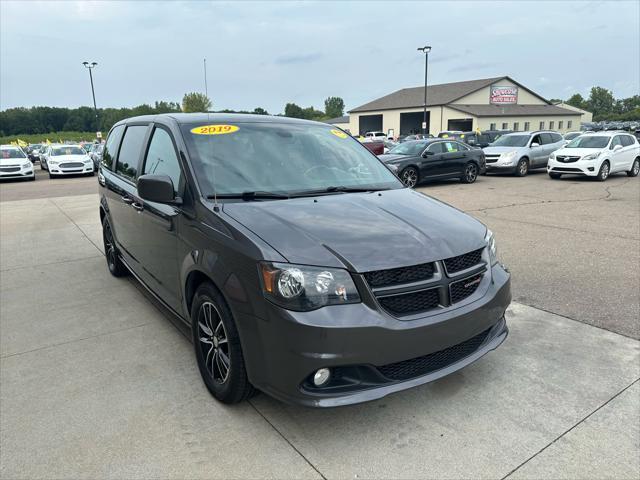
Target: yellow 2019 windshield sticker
{"x":215,"y":129}
{"x":339,"y":133}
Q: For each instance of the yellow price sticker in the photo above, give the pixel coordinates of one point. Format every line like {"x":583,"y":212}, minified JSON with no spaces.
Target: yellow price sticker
{"x":215,"y":129}
{"x":339,"y":133}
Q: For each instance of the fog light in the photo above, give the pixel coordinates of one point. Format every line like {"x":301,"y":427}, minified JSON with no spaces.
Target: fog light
{"x":321,"y":377}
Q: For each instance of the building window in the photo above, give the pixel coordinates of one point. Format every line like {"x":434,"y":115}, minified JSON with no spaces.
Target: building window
{"x":560,"y":123}
{"x":527,"y":126}
{"x":492,"y":126}
{"x":541,"y":125}
{"x":551,"y":124}
{"x":516,"y":126}
{"x":569,"y":123}
{"x":505,"y":125}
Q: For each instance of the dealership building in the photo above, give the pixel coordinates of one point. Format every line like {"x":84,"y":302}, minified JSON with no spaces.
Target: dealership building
{"x":498,"y":103}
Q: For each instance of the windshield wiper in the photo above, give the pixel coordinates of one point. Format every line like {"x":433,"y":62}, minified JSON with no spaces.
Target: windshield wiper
{"x":250,"y":195}
{"x":336,"y":189}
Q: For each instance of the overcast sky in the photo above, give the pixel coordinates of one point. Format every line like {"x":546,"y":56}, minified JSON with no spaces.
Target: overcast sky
{"x":270,"y":53}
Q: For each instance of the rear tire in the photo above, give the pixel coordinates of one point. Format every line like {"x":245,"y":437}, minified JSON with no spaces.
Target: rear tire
{"x":470,"y":173}
{"x":555,"y":176}
{"x":635,"y":168}
{"x":410,"y":177}
{"x":604,"y":171}
{"x":115,"y":265}
{"x":217,"y":347}
{"x":522,"y":168}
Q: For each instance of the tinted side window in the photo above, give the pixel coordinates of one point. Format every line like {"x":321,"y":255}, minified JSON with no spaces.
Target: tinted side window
{"x":556,"y":137}
{"x":461,"y":147}
{"x":111,"y":147}
{"x":436,"y":147}
{"x":546,"y":138}
{"x":162,"y":159}
{"x":127,"y":164}
{"x":627,"y":140}
{"x":536,"y":139}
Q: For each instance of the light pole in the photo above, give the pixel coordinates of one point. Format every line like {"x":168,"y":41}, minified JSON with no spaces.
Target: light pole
{"x":425,"y":50}
{"x":91,"y":66}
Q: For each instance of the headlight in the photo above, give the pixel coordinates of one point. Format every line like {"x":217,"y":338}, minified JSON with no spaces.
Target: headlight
{"x":87,"y":160}
{"x":491,"y":245}
{"x":591,"y":156}
{"x":27,"y":165}
{"x":508,"y":155}
{"x":552,"y":156}
{"x":304,"y":288}
{"x":52,"y":162}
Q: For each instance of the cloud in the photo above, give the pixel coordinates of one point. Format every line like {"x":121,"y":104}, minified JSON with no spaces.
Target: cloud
{"x":466,"y":67}
{"x":297,"y":59}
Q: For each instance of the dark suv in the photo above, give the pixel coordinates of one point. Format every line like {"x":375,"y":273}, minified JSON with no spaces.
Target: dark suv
{"x":301,"y":265}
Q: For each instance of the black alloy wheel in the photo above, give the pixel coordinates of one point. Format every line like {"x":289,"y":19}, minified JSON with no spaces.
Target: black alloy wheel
{"x":470,"y":173}
{"x":409,"y":177}
{"x":115,"y":265}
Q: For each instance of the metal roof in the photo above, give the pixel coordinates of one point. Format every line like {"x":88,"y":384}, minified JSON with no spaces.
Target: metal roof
{"x":442,"y":94}
{"x":344,"y":119}
{"x":512,"y":110}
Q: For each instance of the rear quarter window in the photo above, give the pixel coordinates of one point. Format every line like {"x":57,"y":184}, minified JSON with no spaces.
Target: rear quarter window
{"x":111,"y":147}
{"x":556,"y":137}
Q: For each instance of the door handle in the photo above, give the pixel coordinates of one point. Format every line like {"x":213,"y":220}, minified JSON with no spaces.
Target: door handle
{"x":127,"y":200}
{"x":137,"y":206}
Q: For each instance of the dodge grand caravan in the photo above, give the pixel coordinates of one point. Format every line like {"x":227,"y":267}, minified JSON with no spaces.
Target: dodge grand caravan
{"x":298,"y":261}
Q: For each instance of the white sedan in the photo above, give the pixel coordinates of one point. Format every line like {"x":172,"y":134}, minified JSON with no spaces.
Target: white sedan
{"x":597,"y":155}
{"x":14,"y":163}
{"x":67,"y":160}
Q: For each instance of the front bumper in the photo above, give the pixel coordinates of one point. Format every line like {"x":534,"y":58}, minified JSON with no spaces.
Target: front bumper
{"x":59,"y":170}
{"x":588,"y":168}
{"x":358,"y":343}
{"x":497,"y":168}
{"x":22,"y":173}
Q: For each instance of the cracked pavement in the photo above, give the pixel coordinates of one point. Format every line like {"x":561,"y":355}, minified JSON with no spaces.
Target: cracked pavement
{"x":95,"y":381}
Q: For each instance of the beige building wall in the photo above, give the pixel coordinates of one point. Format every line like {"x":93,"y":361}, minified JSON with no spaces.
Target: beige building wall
{"x":569,"y":122}
{"x":344,"y":126}
{"x":481,"y":97}
{"x":585,"y":116}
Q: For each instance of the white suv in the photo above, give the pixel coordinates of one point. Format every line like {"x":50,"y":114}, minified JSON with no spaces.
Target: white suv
{"x":597,"y":155}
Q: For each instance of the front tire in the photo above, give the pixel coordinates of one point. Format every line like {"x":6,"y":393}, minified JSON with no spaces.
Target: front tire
{"x":604,"y":171}
{"x":115,"y":265}
{"x":522,"y":168}
{"x":409,"y":177}
{"x":470,"y":173}
{"x":635,"y":168}
{"x":217,"y":347}
{"x":554,"y":175}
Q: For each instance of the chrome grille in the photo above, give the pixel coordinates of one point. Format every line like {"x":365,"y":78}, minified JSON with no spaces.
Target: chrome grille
{"x":72,"y":165}
{"x":567,"y":159}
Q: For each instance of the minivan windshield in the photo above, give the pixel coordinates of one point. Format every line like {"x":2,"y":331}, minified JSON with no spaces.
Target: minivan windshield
{"x":67,"y":150}
{"x":511,"y":141}
{"x":283,"y":158}
{"x":589,"y":141}
{"x":409,"y":148}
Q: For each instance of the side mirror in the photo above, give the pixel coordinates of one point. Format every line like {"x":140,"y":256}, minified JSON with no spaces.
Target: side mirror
{"x":617,"y":147}
{"x":156,"y":188}
{"x":427,"y":153}
{"x":535,"y":144}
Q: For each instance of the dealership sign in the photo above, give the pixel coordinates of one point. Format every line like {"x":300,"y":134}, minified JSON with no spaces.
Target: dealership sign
{"x":503,"y":95}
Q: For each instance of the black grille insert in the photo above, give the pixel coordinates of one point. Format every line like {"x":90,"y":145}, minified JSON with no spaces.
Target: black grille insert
{"x":462,"y":262}
{"x":9,"y":169}
{"x":464,"y":288}
{"x":72,"y":165}
{"x":432,"y":362}
{"x":396,"y":276}
{"x":413,"y":302}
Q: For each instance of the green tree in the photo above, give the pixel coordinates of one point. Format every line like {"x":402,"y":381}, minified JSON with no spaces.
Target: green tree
{"x":294,"y":111}
{"x":334,"y":107}
{"x":195,"y":102}
{"x":260,"y":111}
{"x":577,"y":100}
{"x":601,"y":102}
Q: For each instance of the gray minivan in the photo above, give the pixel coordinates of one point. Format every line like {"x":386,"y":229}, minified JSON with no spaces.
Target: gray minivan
{"x":519,"y":152}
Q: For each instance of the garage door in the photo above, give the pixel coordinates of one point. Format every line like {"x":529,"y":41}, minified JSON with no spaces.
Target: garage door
{"x":370,"y":123}
{"x":411,"y":122}
{"x":462,"y":124}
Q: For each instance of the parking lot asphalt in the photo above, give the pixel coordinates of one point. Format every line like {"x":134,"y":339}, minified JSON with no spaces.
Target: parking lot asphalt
{"x":97,"y":383}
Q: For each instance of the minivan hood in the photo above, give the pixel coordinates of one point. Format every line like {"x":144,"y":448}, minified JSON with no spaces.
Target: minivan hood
{"x":361,"y":231}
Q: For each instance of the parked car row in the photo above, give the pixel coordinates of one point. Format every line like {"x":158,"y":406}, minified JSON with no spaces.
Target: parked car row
{"x":458,"y":155}
{"x":56,"y":159}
